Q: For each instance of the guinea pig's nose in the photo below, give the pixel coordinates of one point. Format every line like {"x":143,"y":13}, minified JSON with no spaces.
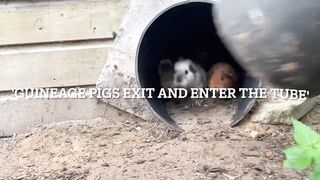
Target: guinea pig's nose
{"x":179,"y":79}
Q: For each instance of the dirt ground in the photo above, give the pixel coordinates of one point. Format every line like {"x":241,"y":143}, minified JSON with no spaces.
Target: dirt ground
{"x":121,"y":146}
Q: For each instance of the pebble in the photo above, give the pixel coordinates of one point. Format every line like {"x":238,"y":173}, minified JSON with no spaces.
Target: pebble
{"x":254,"y":134}
{"x":141,"y":161}
{"x":269,"y":171}
{"x":105,"y":164}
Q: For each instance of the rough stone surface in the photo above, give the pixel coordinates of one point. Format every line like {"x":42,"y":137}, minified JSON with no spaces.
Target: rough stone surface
{"x":275,"y":112}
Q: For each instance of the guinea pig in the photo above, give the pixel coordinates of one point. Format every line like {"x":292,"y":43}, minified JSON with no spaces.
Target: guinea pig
{"x":166,"y":73}
{"x":222,"y":75}
{"x":188,"y":74}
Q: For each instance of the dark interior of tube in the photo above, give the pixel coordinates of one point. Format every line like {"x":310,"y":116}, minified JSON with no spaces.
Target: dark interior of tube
{"x":186,"y":30}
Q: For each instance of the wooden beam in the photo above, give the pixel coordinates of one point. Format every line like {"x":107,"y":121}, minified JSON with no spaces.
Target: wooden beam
{"x":53,"y":21}
{"x":52,"y":65}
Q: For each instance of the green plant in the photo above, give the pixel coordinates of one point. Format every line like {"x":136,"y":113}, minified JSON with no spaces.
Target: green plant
{"x":306,"y":153}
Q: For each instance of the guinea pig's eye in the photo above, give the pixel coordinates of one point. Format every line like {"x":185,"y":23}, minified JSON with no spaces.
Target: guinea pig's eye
{"x":186,"y":72}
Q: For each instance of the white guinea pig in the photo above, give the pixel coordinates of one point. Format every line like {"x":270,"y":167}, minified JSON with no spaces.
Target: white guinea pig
{"x":188,"y":74}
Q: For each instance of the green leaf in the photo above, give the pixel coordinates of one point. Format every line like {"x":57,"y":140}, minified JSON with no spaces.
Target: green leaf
{"x":305,"y":136}
{"x":317,"y":146}
{"x":316,"y":174}
{"x":297,"y":158}
{"x":316,"y":157}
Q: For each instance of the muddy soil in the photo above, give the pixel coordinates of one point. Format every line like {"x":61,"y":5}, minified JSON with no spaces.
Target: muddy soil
{"x":122,"y":146}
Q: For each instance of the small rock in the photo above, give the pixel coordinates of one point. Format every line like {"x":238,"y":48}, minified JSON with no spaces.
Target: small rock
{"x":276,"y":112}
{"x":184,"y":138}
{"x":268,"y":155}
{"x":269,"y":171}
{"x":21,"y":177}
{"x":115,"y":134}
{"x":97,"y":135}
{"x":129,"y":155}
{"x":28,"y":135}
{"x":274,"y":134}
{"x":206,"y":169}
{"x":86,"y":171}
{"x":30,"y":165}
{"x":262,"y":137}
{"x":141,"y":161}
{"x":254,"y":134}
{"x":105,"y":165}
{"x":203,"y":121}
{"x":117,"y":142}
{"x":283,"y":176}
{"x":258,"y":169}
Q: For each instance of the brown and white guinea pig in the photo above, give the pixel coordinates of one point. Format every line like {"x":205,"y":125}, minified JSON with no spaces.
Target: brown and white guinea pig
{"x":222,"y":75}
{"x":188,"y":74}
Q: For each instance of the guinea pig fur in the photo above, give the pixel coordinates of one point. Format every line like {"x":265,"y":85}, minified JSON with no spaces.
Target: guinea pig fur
{"x":188,"y":74}
{"x":222,"y":75}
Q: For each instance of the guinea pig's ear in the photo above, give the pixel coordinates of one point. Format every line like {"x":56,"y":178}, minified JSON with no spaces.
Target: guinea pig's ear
{"x":180,"y":58}
{"x":192,"y":68}
{"x":229,"y":76}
